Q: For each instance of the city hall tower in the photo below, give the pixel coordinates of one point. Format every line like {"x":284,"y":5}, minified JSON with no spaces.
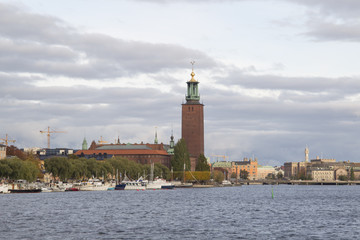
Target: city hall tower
{"x":192,"y":123}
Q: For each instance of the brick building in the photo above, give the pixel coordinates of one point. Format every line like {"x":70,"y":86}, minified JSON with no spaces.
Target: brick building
{"x":192,"y":123}
{"x":140,"y":153}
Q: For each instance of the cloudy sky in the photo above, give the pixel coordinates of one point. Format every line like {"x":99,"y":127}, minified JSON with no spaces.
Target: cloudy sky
{"x":275,"y":75}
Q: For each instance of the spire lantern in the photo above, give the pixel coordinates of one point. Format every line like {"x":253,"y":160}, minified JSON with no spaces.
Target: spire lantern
{"x":192,"y":87}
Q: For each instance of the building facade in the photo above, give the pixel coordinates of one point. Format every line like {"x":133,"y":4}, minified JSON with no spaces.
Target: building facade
{"x":139,"y":153}
{"x":250,"y":165}
{"x":322,"y":175}
{"x":192,"y":121}
{"x":263,"y":172}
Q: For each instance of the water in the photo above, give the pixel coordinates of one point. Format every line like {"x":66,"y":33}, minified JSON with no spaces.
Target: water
{"x":247,"y":212}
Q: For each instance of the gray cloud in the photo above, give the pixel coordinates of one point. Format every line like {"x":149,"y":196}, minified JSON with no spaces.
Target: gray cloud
{"x":36,"y":43}
{"x":268,"y":116}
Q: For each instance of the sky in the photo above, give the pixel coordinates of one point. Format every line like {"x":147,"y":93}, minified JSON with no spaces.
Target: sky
{"x":275,"y":75}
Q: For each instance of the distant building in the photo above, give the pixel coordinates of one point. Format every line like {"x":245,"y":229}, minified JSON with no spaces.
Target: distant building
{"x":322,"y":175}
{"x":224,"y":167}
{"x":46,"y":153}
{"x":2,"y":151}
{"x":140,"y":153}
{"x":264,"y":171}
{"x":321,"y":169}
{"x":251,"y":166}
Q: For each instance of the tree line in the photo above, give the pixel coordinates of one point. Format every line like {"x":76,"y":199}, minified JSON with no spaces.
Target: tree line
{"x":15,"y":168}
{"x":26,"y":166}
{"x":81,"y":168}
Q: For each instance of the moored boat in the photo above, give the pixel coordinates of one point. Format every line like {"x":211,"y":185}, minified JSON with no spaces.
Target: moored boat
{"x":159,"y":183}
{"x":93,"y":185}
{"x":35,"y":190}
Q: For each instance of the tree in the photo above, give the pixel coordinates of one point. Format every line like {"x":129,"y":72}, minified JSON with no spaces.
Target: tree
{"x":202,"y":164}
{"x":181,"y":156}
{"x":244,"y":174}
{"x":343,"y":178}
{"x":16,"y":168}
{"x":218,"y":176}
{"x":233,"y":175}
{"x":352,"y":174}
{"x":280,"y":175}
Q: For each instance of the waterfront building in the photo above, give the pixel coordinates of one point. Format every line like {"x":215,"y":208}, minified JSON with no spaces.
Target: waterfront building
{"x":140,"y":153}
{"x":222,"y":166}
{"x":322,"y":175}
{"x":264,"y":171}
{"x":322,"y":169}
{"x":192,"y":121}
{"x":46,"y":153}
{"x":2,"y":151}
{"x":250,"y":165}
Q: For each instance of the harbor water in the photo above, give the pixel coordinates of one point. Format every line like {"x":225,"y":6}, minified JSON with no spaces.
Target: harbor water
{"x":247,"y":212}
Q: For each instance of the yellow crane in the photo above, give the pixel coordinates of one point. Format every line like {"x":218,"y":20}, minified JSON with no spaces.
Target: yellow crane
{"x":101,"y":141}
{"x":48,"y":134}
{"x":221,"y":156}
{"x":7,"y":140}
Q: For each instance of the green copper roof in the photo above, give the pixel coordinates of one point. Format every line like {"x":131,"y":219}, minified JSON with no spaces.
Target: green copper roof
{"x":123,"y":147}
{"x":222,"y":164}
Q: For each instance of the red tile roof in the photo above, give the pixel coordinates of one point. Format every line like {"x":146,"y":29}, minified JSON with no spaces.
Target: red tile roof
{"x":123,"y":152}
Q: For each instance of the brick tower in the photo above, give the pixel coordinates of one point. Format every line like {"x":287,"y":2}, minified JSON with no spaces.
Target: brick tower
{"x":192,"y":123}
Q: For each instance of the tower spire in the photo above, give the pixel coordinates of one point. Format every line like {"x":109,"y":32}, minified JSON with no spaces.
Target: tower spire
{"x":306,"y":154}
{"x":192,"y":87}
{"x":156,"y":139}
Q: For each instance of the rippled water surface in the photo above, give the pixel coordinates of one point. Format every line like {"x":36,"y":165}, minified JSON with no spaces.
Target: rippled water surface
{"x":247,"y":212}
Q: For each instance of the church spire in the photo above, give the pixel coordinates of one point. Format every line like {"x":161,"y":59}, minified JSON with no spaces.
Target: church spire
{"x":156,"y":139}
{"x":84,"y":144}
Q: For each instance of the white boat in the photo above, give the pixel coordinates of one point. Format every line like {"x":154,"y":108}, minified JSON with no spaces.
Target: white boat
{"x":226,"y":183}
{"x":46,"y":189}
{"x":93,"y":185}
{"x":133,"y":185}
{"x":4,"y":188}
{"x":159,"y":183}
{"x":127,"y":184}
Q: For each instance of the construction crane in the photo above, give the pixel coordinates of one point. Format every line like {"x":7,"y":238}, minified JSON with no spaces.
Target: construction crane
{"x":222,"y":156}
{"x":6,"y":140}
{"x":48,"y":135}
{"x":101,"y":141}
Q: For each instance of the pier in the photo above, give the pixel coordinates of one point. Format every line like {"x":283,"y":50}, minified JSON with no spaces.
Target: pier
{"x":297,"y":182}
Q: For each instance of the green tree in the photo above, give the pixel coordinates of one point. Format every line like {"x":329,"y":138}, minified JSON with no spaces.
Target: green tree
{"x":343,"y":178}
{"x":16,"y":168}
{"x":59,"y":167}
{"x":352,"y":174}
{"x":280,"y":175}
{"x":202,"y":164}
{"x":218,"y":176}
{"x":181,"y":156}
{"x":233,"y":175}
{"x":244,"y":174}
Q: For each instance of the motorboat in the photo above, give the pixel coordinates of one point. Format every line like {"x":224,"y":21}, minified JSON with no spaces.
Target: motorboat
{"x":159,"y":183}
{"x":93,"y":185}
{"x":127,"y":184}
